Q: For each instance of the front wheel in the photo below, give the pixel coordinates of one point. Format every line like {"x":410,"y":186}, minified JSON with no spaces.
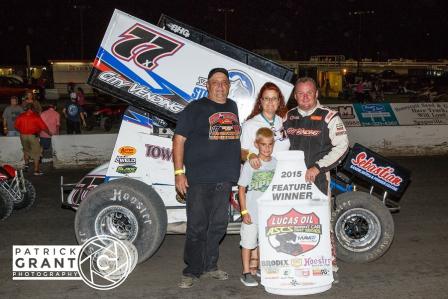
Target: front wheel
{"x":27,"y":198}
{"x":126,"y":209}
{"x":363,"y":227}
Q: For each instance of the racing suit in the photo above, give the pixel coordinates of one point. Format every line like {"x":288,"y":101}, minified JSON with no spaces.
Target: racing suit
{"x":321,"y":135}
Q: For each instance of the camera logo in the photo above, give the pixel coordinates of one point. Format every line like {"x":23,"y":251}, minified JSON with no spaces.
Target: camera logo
{"x":105,"y":262}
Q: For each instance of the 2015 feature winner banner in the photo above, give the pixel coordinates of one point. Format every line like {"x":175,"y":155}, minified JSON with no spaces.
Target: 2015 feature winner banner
{"x":294,"y":232}
{"x":392,"y":114}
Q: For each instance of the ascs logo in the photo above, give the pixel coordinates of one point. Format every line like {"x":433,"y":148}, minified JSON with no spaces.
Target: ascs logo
{"x":242,"y":86}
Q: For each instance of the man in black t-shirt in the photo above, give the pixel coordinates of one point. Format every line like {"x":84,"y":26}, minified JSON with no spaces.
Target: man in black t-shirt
{"x":206,"y":151}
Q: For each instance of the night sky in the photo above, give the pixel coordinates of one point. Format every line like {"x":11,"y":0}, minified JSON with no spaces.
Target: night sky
{"x":297,"y":28}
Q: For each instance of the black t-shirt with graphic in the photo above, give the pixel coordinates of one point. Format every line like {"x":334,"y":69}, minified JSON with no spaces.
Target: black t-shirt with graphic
{"x":212,"y":149}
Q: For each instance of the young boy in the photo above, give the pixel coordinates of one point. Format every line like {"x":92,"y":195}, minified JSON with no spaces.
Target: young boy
{"x":256,"y":181}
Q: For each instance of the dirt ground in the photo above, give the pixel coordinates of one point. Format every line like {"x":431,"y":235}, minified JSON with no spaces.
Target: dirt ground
{"x":416,"y":266}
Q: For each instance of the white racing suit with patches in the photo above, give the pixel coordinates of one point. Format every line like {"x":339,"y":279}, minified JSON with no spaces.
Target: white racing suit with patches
{"x":321,"y":135}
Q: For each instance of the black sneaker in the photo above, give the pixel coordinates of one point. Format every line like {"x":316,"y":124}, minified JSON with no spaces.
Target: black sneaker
{"x":248,"y":280}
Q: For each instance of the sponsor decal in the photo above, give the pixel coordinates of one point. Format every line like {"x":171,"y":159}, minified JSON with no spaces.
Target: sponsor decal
{"x":141,"y":91}
{"x":125,"y":160}
{"x":293,"y":233}
{"x":303,"y":132}
{"x":158,"y":152}
{"x":241,"y":85}
{"x":178,"y":29}
{"x":127,"y":150}
{"x":296,"y":263}
{"x":302,"y":272}
{"x":224,"y":126}
{"x":376,"y":114}
{"x":144,"y":46}
{"x":384,"y":173}
{"x":340,"y":129}
{"x":316,"y":117}
{"x":126,"y":169}
{"x":319,"y":271}
{"x":346,"y":112}
{"x":377,"y":170}
{"x":275,"y":263}
{"x":200,"y":90}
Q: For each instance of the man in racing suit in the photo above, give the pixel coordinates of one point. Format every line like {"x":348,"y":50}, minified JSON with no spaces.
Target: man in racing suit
{"x":320,"y":133}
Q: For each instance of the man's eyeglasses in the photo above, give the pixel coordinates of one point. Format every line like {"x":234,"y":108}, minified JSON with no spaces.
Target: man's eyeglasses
{"x":267,"y":100}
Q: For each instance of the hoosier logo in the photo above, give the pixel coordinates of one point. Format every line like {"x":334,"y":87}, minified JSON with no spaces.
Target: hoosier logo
{"x":294,"y":233}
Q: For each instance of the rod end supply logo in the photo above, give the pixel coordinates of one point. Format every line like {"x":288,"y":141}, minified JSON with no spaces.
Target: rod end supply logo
{"x":102,"y":262}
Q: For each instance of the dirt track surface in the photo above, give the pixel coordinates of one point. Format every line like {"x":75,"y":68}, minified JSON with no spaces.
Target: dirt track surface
{"x":416,"y":266}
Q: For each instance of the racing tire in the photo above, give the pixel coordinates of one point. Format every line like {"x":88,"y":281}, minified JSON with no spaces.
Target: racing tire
{"x":363,"y":227}
{"x":126,"y":209}
{"x":27,"y":199}
{"x":6,"y":204}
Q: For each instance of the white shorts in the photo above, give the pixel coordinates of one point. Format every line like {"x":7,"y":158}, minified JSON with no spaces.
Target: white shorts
{"x":249,"y":235}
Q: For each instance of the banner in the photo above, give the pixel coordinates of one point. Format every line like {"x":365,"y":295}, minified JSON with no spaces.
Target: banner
{"x":393,"y":114}
{"x":294,"y":232}
{"x":409,"y":114}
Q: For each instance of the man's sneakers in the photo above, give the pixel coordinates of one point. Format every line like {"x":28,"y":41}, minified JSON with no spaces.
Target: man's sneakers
{"x":187,"y":282}
{"x":217,"y":274}
{"x":248,"y":280}
{"x":37,"y":173}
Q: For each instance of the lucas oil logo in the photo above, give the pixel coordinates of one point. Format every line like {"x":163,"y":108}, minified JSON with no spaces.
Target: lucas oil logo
{"x":294,"y":233}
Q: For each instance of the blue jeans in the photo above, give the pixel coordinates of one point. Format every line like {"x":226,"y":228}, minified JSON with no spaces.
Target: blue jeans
{"x":207,"y":219}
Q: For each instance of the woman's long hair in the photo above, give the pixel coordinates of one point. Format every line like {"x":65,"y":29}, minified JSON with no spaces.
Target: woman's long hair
{"x":281,"y":110}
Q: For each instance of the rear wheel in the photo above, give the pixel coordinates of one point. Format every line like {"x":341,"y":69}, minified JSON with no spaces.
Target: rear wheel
{"x":126,"y":209}
{"x":6,"y":203}
{"x":363,"y":227}
{"x":27,"y":198}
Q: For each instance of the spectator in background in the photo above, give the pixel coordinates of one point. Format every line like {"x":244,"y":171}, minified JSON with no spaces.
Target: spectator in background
{"x":80,"y":97}
{"x":359,"y":91}
{"x":74,"y":114}
{"x":10,"y":114}
{"x":30,"y":99}
{"x":29,"y":124}
{"x":53,"y":121}
{"x":327,"y":88}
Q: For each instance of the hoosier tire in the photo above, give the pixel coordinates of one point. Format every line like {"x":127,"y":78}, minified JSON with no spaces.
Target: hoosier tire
{"x":363,"y":227}
{"x":126,"y":209}
{"x":27,"y":199}
{"x":6,"y":204}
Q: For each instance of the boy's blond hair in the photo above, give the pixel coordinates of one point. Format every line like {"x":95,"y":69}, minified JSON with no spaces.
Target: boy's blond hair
{"x":264,"y":132}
